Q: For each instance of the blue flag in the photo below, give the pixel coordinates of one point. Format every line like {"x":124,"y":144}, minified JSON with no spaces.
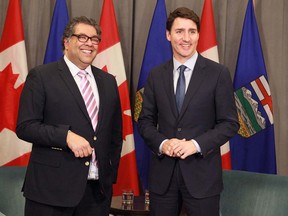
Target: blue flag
{"x":157,"y":51}
{"x":60,"y":19}
{"x":253,"y":148}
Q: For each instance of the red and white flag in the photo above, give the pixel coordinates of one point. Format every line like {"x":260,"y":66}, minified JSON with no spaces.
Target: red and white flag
{"x":110,"y":59}
{"x":13,"y":72}
{"x":207,"y":46}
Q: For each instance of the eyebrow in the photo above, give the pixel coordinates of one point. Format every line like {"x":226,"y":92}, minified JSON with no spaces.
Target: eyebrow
{"x":177,"y":29}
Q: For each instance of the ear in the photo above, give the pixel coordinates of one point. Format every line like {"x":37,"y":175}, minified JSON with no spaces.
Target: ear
{"x":66,"y":43}
{"x":168,"y":36}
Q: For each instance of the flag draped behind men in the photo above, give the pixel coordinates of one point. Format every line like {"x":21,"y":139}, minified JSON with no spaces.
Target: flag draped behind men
{"x":158,"y":50}
{"x":110,"y":59}
{"x":253,"y":148}
{"x":207,"y":46}
{"x":13,"y":72}
{"x":60,"y":19}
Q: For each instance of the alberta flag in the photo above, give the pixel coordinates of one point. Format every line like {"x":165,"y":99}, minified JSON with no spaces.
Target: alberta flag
{"x":253,"y":148}
{"x":157,"y":51}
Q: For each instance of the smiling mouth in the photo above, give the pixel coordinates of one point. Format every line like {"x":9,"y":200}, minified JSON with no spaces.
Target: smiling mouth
{"x":87,"y":51}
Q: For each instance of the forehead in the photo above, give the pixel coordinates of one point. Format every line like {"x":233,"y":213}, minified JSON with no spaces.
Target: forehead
{"x":183,"y":23}
{"x":82,"y":28}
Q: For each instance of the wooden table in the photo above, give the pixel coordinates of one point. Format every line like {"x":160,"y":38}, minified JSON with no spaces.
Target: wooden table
{"x":137,"y":208}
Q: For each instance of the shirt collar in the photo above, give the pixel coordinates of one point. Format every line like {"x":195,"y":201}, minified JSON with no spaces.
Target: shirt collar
{"x":74,"y":69}
{"x":190,"y":63}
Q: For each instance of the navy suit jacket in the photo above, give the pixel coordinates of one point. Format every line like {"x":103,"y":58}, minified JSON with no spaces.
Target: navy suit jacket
{"x":50,"y":105}
{"x":208,"y":116}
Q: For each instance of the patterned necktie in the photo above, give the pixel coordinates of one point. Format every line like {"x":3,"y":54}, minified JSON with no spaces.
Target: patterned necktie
{"x":91,"y":106}
{"x":180,"y":89}
{"x":89,"y":98}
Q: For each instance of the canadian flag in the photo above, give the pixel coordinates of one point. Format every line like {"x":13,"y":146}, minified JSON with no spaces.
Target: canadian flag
{"x":207,"y":46}
{"x":110,"y":59}
{"x":13,"y":72}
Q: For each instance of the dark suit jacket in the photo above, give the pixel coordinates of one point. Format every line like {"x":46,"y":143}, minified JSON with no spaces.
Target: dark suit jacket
{"x":50,"y":105}
{"x":208,"y":115}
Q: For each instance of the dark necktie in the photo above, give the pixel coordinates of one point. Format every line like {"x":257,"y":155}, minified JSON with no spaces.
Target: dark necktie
{"x":180,"y":89}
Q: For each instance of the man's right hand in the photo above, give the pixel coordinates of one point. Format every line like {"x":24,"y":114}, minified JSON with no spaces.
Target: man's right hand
{"x":78,"y":145}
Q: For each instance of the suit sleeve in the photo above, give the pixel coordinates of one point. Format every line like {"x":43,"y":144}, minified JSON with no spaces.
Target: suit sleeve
{"x":117,"y":138}
{"x":147,"y":121}
{"x":30,"y":126}
{"x":226,"y":121}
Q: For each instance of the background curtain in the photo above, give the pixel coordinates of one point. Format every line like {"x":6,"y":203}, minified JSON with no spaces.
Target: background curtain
{"x":134,"y":18}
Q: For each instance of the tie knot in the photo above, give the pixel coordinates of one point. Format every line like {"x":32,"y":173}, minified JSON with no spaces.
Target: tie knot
{"x":182,"y":68}
{"x":81,"y":73}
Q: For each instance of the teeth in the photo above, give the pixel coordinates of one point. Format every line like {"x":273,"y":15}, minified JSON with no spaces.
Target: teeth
{"x":87,"y":51}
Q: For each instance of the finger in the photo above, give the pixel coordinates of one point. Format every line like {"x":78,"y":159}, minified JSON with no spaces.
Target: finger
{"x":81,"y":153}
{"x":87,"y":152}
{"x":76,"y":154}
{"x":183,"y":156}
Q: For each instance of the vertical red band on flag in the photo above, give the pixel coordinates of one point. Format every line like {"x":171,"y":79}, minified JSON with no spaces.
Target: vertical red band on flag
{"x":13,"y":28}
{"x":13,"y":70}
{"x":109,"y":26}
{"x":207,"y":37}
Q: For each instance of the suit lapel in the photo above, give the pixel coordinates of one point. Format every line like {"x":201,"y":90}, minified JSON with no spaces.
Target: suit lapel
{"x":196,"y":80}
{"x":72,"y":86}
{"x":102,"y":95}
{"x":169,"y":86}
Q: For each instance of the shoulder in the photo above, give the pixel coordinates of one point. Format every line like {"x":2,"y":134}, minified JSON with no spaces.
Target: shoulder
{"x":208,"y":64}
{"x":161,"y":69}
{"x":104,"y":77}
{"x":101,"y":73}
{"x":49,"y":68}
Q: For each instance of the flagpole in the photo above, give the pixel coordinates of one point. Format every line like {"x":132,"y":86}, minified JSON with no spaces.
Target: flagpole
{"x":132,"y":94}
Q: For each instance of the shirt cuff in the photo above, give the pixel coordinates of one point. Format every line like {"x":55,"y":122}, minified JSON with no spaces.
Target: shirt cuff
{"x":196,"y":145}
{"x":160,"y":147}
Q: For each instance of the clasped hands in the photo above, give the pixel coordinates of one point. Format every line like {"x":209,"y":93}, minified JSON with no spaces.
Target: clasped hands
{"x":179,"y":148}
{"x":78,"y":145}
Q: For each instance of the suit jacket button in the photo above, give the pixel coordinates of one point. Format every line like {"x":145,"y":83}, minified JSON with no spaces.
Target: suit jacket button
{"x":179,"y":129}
{"x":94,"y":138}
{"x":87,"y":163}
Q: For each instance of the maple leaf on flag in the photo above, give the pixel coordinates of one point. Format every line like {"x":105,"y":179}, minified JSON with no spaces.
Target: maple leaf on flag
{"x":125,"y":106}
{"x":9,"y":98}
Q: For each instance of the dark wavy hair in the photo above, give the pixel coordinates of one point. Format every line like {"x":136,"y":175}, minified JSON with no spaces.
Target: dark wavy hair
{"x":70,"y":28}
{"x":182,"y":12}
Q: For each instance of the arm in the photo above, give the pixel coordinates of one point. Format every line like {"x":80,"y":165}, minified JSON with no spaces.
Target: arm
{"x":30,"y":126}
{"x":226,"y":120}
{"x":117,"y":137}
{"x":148,"y":119}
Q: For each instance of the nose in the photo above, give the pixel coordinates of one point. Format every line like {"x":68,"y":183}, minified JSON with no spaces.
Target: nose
{"x":89,"y":42}
{"x":186,"y":36}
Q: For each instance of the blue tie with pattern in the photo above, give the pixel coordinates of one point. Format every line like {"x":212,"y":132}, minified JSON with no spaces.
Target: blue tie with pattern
{"x":180,"y":89}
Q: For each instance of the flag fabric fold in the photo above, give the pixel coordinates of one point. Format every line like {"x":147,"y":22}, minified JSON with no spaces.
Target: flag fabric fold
{"x":110,"y":59}
{"x":157,"y":51}
{"x":59,"y":21}
{"x":13,"y":72}
{"x":253,"y":148}
{"x":207,"y":46}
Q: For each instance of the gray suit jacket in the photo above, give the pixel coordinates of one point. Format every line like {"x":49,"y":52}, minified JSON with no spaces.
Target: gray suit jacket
{"x":208,"y":115}
{"x":50,"y":105}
